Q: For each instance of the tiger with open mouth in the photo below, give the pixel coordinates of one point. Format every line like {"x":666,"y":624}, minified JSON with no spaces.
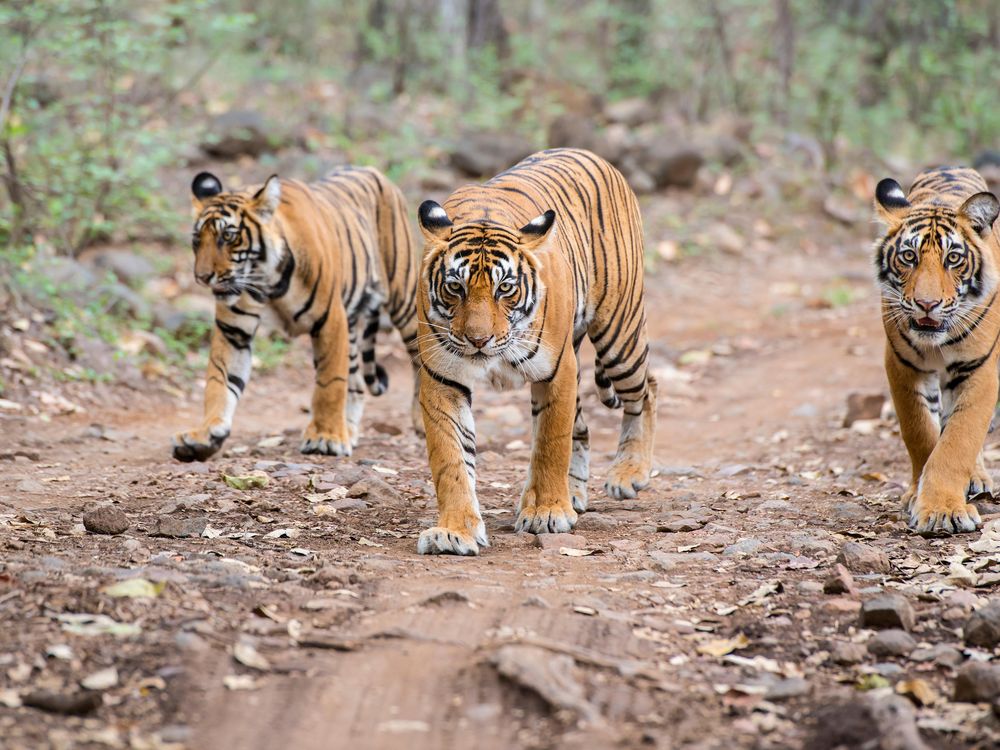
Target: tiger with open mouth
{"x":938,"y":264}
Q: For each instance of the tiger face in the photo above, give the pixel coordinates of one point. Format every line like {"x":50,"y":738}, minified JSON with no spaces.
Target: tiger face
{"x":483,"y":283}
{"x":934,"y":268}
{"x":231,"y":236}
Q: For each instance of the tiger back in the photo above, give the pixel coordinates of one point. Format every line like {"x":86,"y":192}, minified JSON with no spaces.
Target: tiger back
{"x":326,"y":258}
{"x":516,"y":272}
{"x":938,"y":265}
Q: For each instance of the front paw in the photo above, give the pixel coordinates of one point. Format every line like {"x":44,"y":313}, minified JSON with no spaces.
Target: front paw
{"x":627,"y":475}
{"x":199,"y":445}
{"x":441,"y":540}
{"x":578,"y":494}
{"x":540,"y":517}
{"x":980,"y":482}
{"x":933,"y":512}
{"x":328,"y":443}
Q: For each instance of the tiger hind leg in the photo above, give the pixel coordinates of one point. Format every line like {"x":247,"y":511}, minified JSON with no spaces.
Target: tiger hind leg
{"x":633,"y":462}
{"x":981,"y":480}
{"x":355,"y":406}
{"x":375,"y":377}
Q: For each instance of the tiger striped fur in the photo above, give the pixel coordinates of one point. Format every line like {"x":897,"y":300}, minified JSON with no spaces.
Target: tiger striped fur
{"x":326,"y":257}
{"x":938,"y":266}
{"x":516,"y":273}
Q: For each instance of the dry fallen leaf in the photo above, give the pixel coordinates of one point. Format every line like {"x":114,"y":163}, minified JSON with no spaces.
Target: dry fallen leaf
{"x":254,"y":480}
{"x":571,"y":552}
{"x":366,"y":542}
{"x":239,"y":682}
{"x":723,"y":646}
{"x":918,"y":691}
{"x":248,"y":656}
{"x":134,"y":588}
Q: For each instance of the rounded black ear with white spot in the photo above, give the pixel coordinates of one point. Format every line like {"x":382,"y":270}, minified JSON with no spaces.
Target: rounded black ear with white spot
{"x":205,"y":185}
{"x":534,"y":233}
{"x":890,"y":200}
{"x":434,"y":221}
{"x":981,"y":211}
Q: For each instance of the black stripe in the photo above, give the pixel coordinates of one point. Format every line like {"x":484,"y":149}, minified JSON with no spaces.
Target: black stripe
{"x":450,"y":383}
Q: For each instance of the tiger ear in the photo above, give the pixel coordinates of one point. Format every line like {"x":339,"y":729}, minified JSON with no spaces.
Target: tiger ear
{"x":204,"y":185}
{"x":536,"y":232}
{"x":267,"y":199}
{"x":434,"y":222}
{"x":890,"y":201}
{"x":981,"y":211}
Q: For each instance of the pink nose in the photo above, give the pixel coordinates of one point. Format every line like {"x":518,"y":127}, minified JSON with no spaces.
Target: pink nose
{"x":927,"y":304}
{"x":478,"y":342}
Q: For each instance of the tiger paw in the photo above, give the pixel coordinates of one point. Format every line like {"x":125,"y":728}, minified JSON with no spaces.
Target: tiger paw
{"x":980,"y":482}
{"x":578,"y":494}
{"x":199,"y":445}
{"x":326,"y":443}
{"x":439,"y":540}
{"x":626,"y":477}
{"x":931,"y":513}
{"x":546,"y":518}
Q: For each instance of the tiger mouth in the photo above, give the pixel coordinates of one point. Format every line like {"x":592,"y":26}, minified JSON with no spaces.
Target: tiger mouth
{"x":927,"y":325}
{"x":220,"y":290}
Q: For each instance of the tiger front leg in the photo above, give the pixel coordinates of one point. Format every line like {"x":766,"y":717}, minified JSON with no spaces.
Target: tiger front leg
{"x":546,"y":504}
{"x":328,"y":432}
{"x":941,"y":503}
{"x":229,"y":366}
{"x":451,"y":452}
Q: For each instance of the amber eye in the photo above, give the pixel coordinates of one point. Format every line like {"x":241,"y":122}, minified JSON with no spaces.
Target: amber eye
{"x":505,"y":288}
{"x":454,"y":288}
{"x":954,"y":258}
{"x":908,"y":257}
{"x":230,"y":234}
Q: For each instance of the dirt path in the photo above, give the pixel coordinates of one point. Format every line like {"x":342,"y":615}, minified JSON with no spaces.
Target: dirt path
{"x":355,"y":641}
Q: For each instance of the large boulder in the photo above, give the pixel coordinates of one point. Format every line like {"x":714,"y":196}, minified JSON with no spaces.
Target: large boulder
{"x":485,"y":153}
{"x":670,"y":164}
{"x":239,"y":132}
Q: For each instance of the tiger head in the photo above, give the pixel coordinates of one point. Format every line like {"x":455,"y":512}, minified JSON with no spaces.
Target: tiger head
{"x":232,"y":234}
{"x":483,"y":281}
{"x":934,"y":265}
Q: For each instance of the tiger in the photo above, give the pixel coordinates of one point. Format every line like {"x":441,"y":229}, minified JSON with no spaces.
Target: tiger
{"x":326,"y":258}
{"x":937,"y":267}
{"x":516,"y":272}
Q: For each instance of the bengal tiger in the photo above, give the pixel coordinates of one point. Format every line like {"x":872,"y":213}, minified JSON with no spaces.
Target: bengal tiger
{"x":326,"y":257}
{"x":516,"y":272}
{"x":938,"y":272}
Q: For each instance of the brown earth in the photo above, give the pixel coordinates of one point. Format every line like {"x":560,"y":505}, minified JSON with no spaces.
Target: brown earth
{"x":353,"y":640}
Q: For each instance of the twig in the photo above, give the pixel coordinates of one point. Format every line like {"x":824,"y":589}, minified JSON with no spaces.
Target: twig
{"x":8,"y":92}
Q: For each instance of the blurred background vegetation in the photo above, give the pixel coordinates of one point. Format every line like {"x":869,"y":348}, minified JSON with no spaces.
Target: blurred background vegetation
{"x":108,"y":106}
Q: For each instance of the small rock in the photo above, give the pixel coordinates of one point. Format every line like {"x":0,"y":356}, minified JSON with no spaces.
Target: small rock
{"x":387,"y":428}
{"x":349,"y":503}
{"x":68,"y":704}
{"x":665,"y":561}
{"x":791,"y":687}
{"x":237,"y":133}
{"x":848,"y":653}
{"x":483,"y":153}
{"x":983,"y":626}
{"x":840,"y":582}
{"x":977,"y":682}
{"x":178,"y":527}
{"x":888,"y":611}
{"x":555,"y":541}
{"x":742,"y":548}
{"x":866,"y":721}
{"x":860,"y":558}
{"x":106,"y":519}
{"x":375,"y":491}
{"x":891,"y":642}
{"x":863,"y":406}
{"x":941,"y":654}
{"x":633,"y":111}
{"x":678,"y":522}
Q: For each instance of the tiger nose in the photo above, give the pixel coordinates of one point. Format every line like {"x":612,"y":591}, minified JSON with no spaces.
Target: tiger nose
{"x":205,"y":278}
{"x":927,"y":304}
{"x":478,"y":341}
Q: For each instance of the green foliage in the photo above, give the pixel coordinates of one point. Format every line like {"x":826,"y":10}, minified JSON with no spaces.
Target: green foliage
{"x":86,"y":134}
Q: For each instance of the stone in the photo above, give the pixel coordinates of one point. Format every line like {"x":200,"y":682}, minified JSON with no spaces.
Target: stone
{"x":484,"y":153}
{"x":665,"y":561}
{"x":670,"y":165}
{"x":743,"y":548}
{"x":891,"y":642}
{"x":840,"y":582}
{"x":983,"y":626}
{"x":863,"y":406}
{"x":375,"y":491}
{"x":179,"y":527}
{"x":555,"y":541}
{"x":869,"y":721}
{"x":129,"y":267}
{"x":236,"y":133}
{"x":792,"y":687}
{"x":106,"y":519}
{"x":941,"y":654}
{"x":860,"y":558}
{"x":679,"y":522}
{"x":977,"y":682}
{"x":888,"y":611}
{"x":631,"y":112}
{"x":848,"y":653}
